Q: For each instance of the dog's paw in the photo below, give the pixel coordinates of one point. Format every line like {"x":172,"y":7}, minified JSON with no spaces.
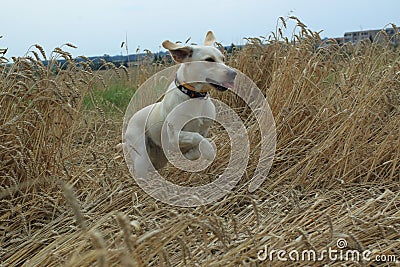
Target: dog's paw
{"x":207,"y":149}
{"x":192,"y":154}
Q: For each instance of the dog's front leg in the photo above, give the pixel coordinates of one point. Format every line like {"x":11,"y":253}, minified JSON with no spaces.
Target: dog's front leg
{"x":197,"y":144}
{"x":194,"y":144}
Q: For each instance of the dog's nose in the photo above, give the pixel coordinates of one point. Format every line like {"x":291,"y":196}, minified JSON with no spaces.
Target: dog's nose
{"x":232,"y":74}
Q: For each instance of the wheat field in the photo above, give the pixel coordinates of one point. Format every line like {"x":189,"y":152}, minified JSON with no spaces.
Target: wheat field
{"x":68,"y":199}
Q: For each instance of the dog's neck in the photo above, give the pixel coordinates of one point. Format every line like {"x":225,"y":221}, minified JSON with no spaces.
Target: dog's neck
{"x":188,"y":89}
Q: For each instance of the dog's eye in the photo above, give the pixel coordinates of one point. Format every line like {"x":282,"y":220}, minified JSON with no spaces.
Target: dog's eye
{"x":210,"y":59}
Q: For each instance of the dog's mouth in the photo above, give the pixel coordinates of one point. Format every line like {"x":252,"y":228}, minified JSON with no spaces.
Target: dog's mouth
{"x":221,"y":86}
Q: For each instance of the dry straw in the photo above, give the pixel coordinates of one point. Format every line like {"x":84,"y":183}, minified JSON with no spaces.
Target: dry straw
{"x":335,"y":173}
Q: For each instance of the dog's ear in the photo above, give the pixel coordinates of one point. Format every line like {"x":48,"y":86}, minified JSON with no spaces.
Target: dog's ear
{"x":210,"y":39}
{"x":178,"y":52}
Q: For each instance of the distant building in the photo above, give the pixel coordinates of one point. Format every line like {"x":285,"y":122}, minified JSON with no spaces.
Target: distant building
{"x":339,"y":40}
{"x":373,"y":35}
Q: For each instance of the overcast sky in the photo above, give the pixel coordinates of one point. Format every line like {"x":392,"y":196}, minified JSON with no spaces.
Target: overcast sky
{"x":98,"y":27}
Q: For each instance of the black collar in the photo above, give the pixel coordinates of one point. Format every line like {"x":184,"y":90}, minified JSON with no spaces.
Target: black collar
{"x":187,"y":91}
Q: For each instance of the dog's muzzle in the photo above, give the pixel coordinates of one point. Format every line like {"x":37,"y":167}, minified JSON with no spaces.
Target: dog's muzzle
{"x":190,"y":91}
{"x":223,"y":86}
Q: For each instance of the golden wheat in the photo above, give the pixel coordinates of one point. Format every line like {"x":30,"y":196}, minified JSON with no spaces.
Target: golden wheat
{"x":335,"y":173}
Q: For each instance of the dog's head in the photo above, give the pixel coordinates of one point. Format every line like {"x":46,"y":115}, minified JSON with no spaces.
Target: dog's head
{"x":203,"y":65}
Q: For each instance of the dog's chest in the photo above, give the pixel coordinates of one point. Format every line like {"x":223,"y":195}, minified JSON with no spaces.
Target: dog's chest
{"x":199,"y":116}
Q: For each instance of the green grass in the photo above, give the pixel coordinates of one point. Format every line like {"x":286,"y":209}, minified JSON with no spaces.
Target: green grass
{"x":112,"y":99}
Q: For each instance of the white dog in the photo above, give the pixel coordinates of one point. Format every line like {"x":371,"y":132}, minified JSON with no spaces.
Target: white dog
{"x":196,"y":76}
